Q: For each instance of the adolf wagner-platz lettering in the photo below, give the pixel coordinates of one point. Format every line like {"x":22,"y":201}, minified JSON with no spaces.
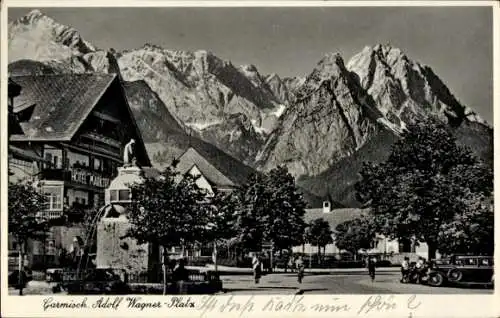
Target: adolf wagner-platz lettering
{"x":115,"y":303}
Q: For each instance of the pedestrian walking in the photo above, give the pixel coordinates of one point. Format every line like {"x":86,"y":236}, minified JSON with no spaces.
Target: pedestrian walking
{"x":371,"y":262}
{"x":290,"y":263}
{"x":405,"y":269}
{"x":257,"y":268}
{"x":299,"y":265}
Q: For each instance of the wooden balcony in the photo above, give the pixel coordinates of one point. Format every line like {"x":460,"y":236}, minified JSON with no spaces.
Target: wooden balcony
{"x":102,"y":139}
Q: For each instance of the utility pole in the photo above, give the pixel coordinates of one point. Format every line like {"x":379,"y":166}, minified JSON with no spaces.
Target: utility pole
{"x":271,"y":257}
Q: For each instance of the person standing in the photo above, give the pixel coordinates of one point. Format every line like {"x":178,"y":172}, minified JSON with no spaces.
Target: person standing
{"x":371,"y":267}
{"x":290,"y":263}
{"x":405,"y":269}
{"x":180,"y":275}
{"x":257,"y":268}
{"x":421,"y":268}
{"x":299,"y":265}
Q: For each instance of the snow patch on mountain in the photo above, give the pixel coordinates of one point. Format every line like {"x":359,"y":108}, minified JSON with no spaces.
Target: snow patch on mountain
{"x":202,"y":126}
{"x":278,"y":112}
{"x":259,"y":129}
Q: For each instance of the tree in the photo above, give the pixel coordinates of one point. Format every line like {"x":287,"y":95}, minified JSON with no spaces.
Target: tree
{"x":422,"y":184}
{"x":223,"y":219}
{"x":253,"y":212}
{"x":285,"y":226}
{"x":471,"y":231}
{"x":355,"y":234}
{"x":25,"y":202}
{"x":271,"y":209}
{"x":169,"y":211}
{"x":319,"y":233}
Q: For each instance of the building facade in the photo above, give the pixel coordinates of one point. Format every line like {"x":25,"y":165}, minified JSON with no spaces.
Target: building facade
{"x":392,"y":250}
{"x":72,"y":128}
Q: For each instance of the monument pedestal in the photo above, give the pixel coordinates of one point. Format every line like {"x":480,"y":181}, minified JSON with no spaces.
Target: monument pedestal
{"x":114,"y":250}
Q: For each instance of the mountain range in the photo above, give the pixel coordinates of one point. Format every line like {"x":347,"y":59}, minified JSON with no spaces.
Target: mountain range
{"x":322,"y":126}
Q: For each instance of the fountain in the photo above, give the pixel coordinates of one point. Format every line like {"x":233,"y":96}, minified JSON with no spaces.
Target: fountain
{"x":111,"y":224}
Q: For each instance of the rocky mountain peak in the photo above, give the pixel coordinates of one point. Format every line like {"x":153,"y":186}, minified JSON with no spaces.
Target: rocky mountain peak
{"x":331,"y":64}
{"x":33,"y":16}
{"x":40,"y":29}
{"x":329,"y":70}
{"x":405,"y":89}
{"x":331,"y":102}
{"x":249,"y":68}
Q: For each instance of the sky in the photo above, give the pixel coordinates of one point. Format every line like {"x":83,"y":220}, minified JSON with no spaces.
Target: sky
{"x":457,"y":42}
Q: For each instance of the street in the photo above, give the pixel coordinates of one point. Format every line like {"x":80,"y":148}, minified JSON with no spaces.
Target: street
{"x":318,"y":283}
{"x":357,"y":283}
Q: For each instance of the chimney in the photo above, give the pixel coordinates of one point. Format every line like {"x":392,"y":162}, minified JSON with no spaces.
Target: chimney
{"x":326,"y":207}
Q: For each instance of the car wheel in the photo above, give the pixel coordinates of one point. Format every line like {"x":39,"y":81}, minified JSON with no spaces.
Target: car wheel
{"x":436,"y":279}
{"x":454,"y":275}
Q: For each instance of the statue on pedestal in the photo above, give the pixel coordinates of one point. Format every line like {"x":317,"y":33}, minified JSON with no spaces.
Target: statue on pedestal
{"x":129,"y":154}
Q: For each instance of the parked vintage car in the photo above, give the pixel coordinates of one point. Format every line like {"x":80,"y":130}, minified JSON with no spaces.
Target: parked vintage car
{"x":462,"y":269}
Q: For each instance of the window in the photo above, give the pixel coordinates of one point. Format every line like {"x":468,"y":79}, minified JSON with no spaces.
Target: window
{"x":48,"y":157}
{"x":113,"y":195}
{"x":97,"y":164}
{"x":54,"y":156}
{"x":124,"y":195}
{"x":406,"y":246}
{"x":486,"y":262}
{"x":98,"y":200}
{"x":78,"y":159}
{"x":54,"y":197}
{"x":471,"y":261}
{"x":78,"y":197}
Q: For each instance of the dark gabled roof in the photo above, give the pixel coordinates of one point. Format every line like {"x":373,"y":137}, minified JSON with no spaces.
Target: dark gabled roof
{"x":232,"y":168}
{"x":336,"y":216}
{"x":220,"y":171}
{"x":62,"y":102}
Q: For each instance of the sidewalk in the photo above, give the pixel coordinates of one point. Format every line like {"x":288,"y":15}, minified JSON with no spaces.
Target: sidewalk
{"x":226,"y":270}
